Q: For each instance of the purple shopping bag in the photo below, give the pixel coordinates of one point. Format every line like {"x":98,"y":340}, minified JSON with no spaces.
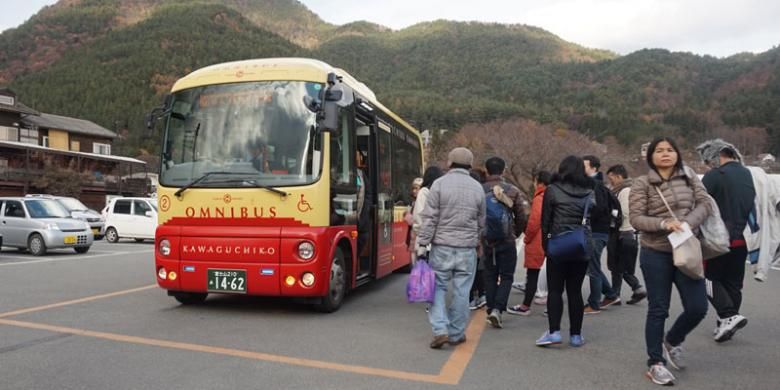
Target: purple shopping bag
{"x":422,"y":283}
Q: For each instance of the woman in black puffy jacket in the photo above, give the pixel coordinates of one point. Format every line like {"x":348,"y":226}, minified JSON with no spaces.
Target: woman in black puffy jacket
{"x":563,"y":210}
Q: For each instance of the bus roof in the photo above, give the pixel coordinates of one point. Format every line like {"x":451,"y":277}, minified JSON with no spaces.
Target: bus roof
{"x":268,"y":69}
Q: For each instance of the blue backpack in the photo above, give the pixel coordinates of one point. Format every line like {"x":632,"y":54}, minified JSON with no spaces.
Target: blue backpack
{"x":498,"y":219}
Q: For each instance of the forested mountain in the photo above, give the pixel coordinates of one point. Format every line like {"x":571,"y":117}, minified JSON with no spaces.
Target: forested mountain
{"x":111,"y":61}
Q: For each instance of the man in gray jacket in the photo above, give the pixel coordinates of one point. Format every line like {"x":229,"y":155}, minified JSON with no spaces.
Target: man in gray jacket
{"x":452,"y":222}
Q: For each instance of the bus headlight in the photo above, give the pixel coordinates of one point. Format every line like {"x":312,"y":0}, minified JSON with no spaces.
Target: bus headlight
{"x":165,"y":247}
{"x":306,"y":250}
{"x":307,"y":279}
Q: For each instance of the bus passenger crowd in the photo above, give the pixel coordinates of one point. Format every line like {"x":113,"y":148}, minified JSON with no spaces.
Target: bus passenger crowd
{"x":465,"y":222}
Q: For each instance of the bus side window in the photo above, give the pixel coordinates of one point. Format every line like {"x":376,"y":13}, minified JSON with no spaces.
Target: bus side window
{"x":342,"y":162}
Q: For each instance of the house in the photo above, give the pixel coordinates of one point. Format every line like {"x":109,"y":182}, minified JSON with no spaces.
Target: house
{"x":32,"y":142}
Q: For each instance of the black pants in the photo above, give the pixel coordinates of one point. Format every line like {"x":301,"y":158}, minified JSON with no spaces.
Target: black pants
{"x":478,"y":286}
{"x":569,"y":276}
{"x":627,"y":249}
{"x":531,"y":281}
{"x":500,"y":260}
{"x":724,"y":281}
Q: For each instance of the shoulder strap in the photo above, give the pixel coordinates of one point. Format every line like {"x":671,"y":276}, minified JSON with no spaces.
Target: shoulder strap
{"x":665,"y":202}
{"x":587,"y":207}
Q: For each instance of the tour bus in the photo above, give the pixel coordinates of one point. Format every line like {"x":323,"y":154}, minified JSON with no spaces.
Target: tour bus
{"x":266,"y":168}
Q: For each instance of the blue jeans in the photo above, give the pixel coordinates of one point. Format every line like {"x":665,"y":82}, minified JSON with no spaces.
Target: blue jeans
{"x":599,"y":284}
{"x":660,"y":273}
{"x":457,"y":265}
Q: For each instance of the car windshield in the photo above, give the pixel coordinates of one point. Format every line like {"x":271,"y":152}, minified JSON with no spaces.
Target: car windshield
{"x":46,"y":208}
{"x":242,"y":135}
{"x":72,"y":204}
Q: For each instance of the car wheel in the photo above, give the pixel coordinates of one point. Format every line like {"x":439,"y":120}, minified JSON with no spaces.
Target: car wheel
{"x":36,"y":245}
{"x":112,"y":236}
{"x":186,"y":298}
{"x":337,"y":285}
{"x":81,"y":249}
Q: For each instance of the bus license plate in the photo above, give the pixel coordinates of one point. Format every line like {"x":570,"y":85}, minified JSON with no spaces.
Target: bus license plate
{"x":70,"y":240}
{"x":226,"y":280}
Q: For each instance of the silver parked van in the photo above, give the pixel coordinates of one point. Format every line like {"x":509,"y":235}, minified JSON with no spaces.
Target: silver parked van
{"x":38,"y":224}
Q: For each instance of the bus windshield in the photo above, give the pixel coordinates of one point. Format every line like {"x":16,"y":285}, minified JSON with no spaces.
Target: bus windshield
{"x":259,"y":133}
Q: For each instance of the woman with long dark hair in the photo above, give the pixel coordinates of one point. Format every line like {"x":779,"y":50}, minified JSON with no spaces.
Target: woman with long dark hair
{"x":667,"y":182}
{"x":566,"y":208}
{"x":429,"y":176}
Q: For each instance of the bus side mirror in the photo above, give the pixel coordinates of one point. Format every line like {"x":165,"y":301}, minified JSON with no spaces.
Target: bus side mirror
{"x":330,"y":116}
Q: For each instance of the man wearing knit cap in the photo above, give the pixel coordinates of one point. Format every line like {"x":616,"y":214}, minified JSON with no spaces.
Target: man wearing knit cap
{"x":452,"y":222}
{"x":731,"y":185}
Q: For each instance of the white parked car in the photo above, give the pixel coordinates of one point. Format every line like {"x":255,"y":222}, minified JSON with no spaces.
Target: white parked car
{"x":130,"y":218}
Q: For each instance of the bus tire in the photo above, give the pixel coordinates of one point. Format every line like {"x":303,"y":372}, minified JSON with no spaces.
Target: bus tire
{"x":186,"y":298}
{"x":337,"y":285}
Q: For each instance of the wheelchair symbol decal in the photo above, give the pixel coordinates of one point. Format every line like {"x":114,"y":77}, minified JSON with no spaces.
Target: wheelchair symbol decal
{"x":303,"y":205}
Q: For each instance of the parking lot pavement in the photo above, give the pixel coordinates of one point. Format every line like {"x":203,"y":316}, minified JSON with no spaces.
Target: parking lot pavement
{"x":100,"y":322}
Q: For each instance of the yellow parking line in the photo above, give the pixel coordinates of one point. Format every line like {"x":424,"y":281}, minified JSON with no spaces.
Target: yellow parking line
{"x":75,"y":301}
{"x":456,"y":365}
{"x":450,"y":374}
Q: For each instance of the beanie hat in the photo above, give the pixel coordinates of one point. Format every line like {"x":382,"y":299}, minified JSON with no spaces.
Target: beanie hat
{"x":460,"y":156}
{"x":709,"y":151}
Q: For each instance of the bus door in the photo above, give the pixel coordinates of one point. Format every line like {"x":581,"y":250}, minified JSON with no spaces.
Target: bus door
{"x":366,"y":174}
{"x":384,"y":195}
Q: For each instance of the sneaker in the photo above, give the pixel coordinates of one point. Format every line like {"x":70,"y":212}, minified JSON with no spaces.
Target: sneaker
{"x":520,"y":286}
{"x":540,"y":301}
{"x":482,"y":301}
{"x":717,"y":327}
{"x":439,"y":341}
{"x":729,"y":327}
{"x":494,"y":319}
{"x":660,"y":375}
{"x":473,"y":304}
{"x":576,"y":340}
{"x":521,"y":310}
{"x":674,"y":356}
{"x":637,"y":297}
{"x":611,"y":302}
{"x":590,"y":310}
{"x":458,"y":341}
{"x":760,"y":276}
{"x":549,"y":339}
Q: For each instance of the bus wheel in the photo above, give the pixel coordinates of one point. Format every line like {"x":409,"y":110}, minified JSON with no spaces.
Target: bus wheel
{"x":337,"y":285}
{"x":186,"y":298}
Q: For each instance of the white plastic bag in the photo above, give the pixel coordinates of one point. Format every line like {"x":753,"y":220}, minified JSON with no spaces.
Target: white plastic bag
{"x":715,"y":236}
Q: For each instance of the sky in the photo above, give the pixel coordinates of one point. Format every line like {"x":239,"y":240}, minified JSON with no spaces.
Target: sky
{"x":714,"y":27}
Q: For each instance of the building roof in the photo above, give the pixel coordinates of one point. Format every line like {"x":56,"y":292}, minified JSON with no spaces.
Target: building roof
{"x":17,"y":107}
{"x":72,"y":125}
{"x":94,"y":156}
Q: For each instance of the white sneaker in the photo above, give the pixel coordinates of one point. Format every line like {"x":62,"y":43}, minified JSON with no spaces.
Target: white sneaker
{"x":660,"y":375}
{"x":729,"y":327}
{"x":760,"y":276}
{"x":674,"y":356}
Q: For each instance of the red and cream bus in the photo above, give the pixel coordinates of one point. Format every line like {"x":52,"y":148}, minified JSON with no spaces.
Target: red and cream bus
{"x":266,"y":166}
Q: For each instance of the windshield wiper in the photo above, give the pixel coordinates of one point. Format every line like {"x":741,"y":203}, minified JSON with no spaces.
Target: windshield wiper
{"x":198,"y":180}
{"x":252,"y":183}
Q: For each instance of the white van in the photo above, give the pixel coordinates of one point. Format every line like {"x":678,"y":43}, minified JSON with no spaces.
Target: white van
{"x":130,"y":218}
